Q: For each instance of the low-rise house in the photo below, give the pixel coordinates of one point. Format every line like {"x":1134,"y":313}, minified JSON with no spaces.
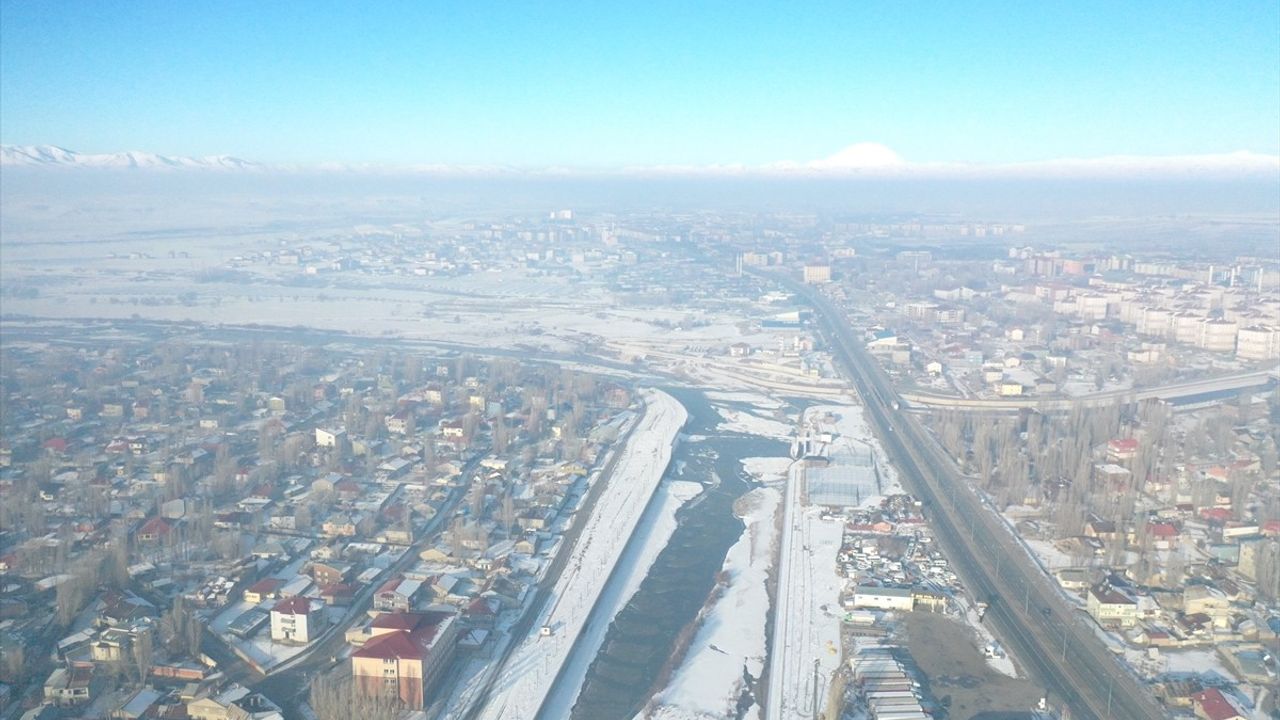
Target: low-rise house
{"x":1110,"y":607}
{"x":339,"y":525}
{"x":397,"y":595}
{"x":138,"y":705}
{"x":1074,"y":579}
{"x":68,"y":686}
{"x":1213,"y":704}
{"x":234,"y":703}
{"x":329,"y":573}
{"x":883,"y":598}
{"x":157,"y":529}
{"x":264,"y":589}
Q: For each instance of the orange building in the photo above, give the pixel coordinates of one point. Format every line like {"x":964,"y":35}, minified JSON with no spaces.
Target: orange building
{"x":405,"y":656}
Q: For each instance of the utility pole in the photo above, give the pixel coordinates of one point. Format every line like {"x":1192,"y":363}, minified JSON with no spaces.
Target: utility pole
{"x":815,"y":688}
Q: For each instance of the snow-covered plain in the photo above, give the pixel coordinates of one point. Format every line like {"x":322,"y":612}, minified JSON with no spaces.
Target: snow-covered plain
{"x":526,"y":678}
{"x":731,"y":640}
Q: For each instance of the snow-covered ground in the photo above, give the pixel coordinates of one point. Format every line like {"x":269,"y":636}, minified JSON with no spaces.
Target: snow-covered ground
{"x":651,"y":536}
{"x":755,"y":399}
{"x":524,"y":681}
{"x":807,"y":616}
{"x":1201,"y":660}
{"x":850,"y":435}
{"x":1002,"y":664}
{"x":731,"y":640}
{"x":767,"y":469}
{"x":1049,"y":555}
{"x":740,"y":421}
{"x":265,"y":651}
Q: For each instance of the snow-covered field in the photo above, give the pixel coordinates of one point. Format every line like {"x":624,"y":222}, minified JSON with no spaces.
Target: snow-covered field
{"x":755,"y":399}
{"x":524,"y":681}
{"x":1204,"y":660}
{"x":731,"y":640}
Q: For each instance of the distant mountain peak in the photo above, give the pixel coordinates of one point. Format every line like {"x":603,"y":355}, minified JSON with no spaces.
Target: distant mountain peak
{"x":54,"y":156}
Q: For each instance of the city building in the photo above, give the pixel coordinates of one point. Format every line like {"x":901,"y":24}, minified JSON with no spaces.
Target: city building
{"x":294,"y":620}
{"x":406,"y":657}
{"x":883,"y":598}
{"x":1110,"y":607}
{"x":817,"y":274}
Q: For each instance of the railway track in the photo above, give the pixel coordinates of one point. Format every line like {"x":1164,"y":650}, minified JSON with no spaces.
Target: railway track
{"x":1062,"y":652}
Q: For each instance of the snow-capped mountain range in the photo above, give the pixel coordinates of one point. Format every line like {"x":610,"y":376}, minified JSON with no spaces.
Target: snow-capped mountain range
{"x":54,"y":156}
{"x":859,"y":160}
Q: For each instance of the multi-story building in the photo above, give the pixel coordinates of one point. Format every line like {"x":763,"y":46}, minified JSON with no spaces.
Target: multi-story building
{"x":1258,"y":342}
{"x":294,"y":620}
{"x":816,"y":274}
{"x":406,"y":656}
{"x":1218,"y":335}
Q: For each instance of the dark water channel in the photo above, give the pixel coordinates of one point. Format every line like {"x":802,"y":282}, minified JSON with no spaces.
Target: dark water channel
{"x":643,"y":635}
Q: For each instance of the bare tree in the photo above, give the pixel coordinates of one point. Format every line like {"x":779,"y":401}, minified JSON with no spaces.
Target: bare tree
{"x":335,"y":696}
{"x":142,"y":654}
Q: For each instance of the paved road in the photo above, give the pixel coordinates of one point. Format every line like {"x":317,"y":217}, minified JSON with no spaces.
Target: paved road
{"x":1173,"y":391}
{"x":1050,"y":638}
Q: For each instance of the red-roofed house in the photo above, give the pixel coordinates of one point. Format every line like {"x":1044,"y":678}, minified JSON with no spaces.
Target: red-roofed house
{"x":1121,"y":450}
{"x":264,"y":589}
{"x":295,"y":620}
{"x":1215,"y":515}
{"x":337,"y":593}
{"x":154,"y":530}
{"x":1163,"y":535}
{"x":406,"y":656}
{"x":1211,"y":704}
{"x":481,"y":613}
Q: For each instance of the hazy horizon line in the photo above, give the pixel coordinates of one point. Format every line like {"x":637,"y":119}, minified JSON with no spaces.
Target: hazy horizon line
{"x":861,"y":160}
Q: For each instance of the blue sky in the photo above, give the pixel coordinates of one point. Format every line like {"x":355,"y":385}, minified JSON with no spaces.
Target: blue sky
{"x":597,"y":84}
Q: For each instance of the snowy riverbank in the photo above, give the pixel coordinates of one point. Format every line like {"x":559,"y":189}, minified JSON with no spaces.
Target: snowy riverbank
{"x":651,"y":536}
{"x":526,"y":678}
{"x":730,"y":642}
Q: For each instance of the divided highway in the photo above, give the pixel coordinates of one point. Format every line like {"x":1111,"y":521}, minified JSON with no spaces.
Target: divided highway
{"x":1055,"y":642}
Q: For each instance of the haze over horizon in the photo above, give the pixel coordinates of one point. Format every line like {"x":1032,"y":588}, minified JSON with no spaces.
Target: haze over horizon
{"x":717,"y":88}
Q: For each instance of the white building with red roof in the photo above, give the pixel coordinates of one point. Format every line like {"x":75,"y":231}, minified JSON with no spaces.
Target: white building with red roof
{"x":296,"y":620}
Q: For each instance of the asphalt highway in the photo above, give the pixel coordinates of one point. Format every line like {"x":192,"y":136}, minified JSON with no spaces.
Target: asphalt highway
{"x":1053,"y":641}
